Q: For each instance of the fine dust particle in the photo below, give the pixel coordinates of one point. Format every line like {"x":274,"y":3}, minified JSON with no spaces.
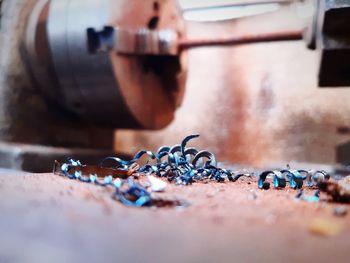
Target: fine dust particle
{"x":325,"y":228}
{"x":340,"y":211}
{"x":252,"y":196}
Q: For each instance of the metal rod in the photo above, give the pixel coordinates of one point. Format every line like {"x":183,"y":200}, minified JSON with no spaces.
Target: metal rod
{"x":239,"y":4}
{"x":240,"y":40}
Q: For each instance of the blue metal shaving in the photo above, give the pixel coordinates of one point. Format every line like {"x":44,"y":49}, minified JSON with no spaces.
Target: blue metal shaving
{"x":179,"y":164}
{"x":183,"y":166}
{"x":295,"y":178}
{"x":309,"y":198}
{"x":176,"y":163}
{"x":133,"y":194}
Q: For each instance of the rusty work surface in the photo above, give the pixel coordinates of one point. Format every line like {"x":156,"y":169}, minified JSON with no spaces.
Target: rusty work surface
{"x":47,"y":218}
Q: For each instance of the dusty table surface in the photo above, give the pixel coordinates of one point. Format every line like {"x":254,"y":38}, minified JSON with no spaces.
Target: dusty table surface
{"x":47,"y":218}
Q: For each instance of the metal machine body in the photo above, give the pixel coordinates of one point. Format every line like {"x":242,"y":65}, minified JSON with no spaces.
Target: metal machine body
{"x":120,"y":90}
{"x":59,"y":98}
{"x":329,"y":34}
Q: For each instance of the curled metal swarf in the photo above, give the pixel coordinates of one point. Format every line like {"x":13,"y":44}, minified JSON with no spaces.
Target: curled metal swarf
{"x":177,"y":164}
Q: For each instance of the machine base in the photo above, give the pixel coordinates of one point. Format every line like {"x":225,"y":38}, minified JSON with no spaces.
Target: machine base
{"x":36,"y":158}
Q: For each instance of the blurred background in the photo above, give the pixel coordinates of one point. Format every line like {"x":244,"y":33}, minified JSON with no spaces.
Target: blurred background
{"x":254,"y":104}
{"x":77,"y":81}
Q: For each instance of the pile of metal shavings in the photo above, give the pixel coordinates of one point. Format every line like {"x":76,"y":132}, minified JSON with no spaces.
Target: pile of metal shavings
{"x":179,"y":164}
{"x":295,"y":178}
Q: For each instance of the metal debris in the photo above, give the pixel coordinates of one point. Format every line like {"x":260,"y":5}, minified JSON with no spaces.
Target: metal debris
{"x":295,"y":178}
{"x":338,"y":190}
{"x":74,"y":166}
{"x":179,"y":164}
{"x":340,"y":211}
{"x":157,"y":185}
{"x":127,"y":191}
{"x":323,"y":227}
{"x":133,"y":194}
{"x":308,"y":198}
